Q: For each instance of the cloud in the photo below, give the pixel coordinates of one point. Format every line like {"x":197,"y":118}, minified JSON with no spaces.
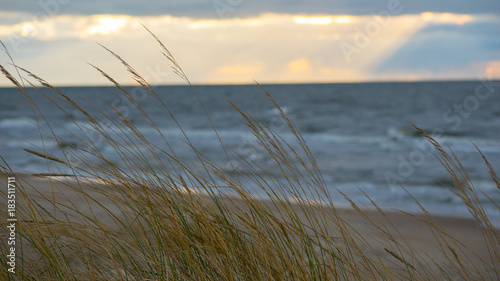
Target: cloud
{"x":269,"y":48}
{"x":299,"y":66}
{"x":245,"y":69}
{"x":107,"y":25}
{"x":459,"y":49}
{"x":245,"y":8}
{"x":493,"y":69}
{"x":238,"y":73}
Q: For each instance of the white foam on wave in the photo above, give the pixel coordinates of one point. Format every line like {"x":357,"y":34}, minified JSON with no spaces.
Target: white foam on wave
{"x":18,"y":123}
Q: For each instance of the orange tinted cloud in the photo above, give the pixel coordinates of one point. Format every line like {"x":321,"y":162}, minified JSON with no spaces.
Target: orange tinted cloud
{"x":241,"y":69}
{"x":299,"y":65}
{"x":269,"y":48}
{"x":493,"y":70}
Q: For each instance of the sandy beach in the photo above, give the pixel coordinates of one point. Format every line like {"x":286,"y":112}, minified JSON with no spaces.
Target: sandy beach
{"x":410,"y":231}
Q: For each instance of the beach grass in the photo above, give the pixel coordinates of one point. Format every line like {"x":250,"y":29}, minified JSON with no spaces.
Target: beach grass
{"x":156,"y":216}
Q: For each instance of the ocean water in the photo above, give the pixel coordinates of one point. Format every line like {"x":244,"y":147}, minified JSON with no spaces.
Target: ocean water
{"x":359,"y":134}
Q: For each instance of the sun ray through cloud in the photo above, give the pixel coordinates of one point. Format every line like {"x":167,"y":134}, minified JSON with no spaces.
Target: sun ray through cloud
{"x":335,"y":47}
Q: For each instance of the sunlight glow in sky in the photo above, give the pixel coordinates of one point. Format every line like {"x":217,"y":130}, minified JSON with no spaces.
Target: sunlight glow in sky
{"x":269,"y":48}
{"x":321,"y":19}
{"x":107,"y":24}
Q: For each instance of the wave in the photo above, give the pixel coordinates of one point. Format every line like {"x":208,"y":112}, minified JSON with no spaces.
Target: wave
{"x":17,"y":123}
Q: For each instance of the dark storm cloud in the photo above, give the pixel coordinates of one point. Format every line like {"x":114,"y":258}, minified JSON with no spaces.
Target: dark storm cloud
{"x":243,"y":8}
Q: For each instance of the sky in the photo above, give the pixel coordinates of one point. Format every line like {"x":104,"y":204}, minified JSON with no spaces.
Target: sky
{"x":242,"y":41}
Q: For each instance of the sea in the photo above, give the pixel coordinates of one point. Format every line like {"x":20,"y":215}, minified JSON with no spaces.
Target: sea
{"x":360,"y":134}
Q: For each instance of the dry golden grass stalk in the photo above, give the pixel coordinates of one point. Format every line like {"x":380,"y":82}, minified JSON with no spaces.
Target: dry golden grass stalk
{"x":155,"y":219}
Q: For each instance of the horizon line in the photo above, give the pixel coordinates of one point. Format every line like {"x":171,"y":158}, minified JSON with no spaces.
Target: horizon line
{"x":266,"y":83}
